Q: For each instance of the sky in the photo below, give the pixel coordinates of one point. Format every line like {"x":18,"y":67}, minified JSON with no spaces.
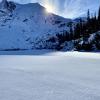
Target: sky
{"x":67,"y":8}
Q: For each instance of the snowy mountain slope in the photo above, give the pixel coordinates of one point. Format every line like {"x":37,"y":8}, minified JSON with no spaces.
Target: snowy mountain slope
{"x":24,"y":26}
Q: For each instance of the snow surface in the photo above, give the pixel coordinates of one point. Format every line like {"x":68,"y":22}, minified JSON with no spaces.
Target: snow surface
{"x":52,"y":76}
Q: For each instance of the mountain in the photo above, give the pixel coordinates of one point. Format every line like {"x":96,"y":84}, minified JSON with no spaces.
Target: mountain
{"x":28,"y":26}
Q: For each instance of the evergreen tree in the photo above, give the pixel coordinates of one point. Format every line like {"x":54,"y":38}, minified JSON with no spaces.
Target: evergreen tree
{"x":99,"y":15}
{"x":71,"y":35}
{"x":99,"y":18}
{"x":88,"y":15}
{"x":81,"y":27}
{"x":77,"y":31}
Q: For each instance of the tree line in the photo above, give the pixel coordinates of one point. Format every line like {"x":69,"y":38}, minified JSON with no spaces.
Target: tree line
{"x":92,"y":25}
{"x":82,"y":28}
{"x":79,"y":32}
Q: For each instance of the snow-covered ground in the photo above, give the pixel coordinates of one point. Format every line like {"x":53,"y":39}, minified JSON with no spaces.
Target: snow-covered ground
{"x":53,"y":76}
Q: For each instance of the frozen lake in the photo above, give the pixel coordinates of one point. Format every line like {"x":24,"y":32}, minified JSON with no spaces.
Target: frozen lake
{"x":50,"y":76}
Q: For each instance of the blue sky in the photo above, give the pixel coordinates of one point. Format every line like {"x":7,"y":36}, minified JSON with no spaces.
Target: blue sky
{"x":68,"y":8}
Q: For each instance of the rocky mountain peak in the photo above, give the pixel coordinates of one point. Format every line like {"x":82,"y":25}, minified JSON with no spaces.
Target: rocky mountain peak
{"x":8,"y":6}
